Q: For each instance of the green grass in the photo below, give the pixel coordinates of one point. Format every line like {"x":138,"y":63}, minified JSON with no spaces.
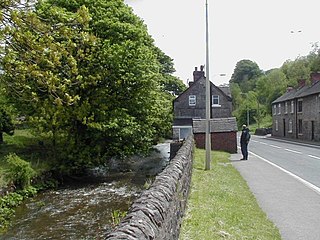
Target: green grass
{"x":221,"y":206}
{"x":25,"y":145}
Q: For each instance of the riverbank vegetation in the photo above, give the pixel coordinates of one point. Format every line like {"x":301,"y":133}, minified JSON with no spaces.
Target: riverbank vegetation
{"x":221,"y":205}
{"x":22,"y":161}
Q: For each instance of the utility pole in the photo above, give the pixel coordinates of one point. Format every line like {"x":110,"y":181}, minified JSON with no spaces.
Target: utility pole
{"x":208,"y":94}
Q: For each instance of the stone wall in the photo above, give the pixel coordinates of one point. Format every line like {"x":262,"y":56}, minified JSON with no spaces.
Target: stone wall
{"x":158,"y":212}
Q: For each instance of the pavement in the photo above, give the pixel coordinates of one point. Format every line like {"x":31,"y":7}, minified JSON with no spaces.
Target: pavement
{"x":292,"y":206}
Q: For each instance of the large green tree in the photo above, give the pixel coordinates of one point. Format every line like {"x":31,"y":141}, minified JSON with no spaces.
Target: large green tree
{"x":88,"y":75}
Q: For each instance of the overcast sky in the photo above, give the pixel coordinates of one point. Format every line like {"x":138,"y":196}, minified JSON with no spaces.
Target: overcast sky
{"x":266,"y":32}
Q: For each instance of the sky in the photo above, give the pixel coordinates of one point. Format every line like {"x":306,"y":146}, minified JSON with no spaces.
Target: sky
{"x":266,"y":32}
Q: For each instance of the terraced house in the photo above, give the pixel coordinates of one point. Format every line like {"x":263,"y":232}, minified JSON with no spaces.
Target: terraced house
{"x":296,"y":114}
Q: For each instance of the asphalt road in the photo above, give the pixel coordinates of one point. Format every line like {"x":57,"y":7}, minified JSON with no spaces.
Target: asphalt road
{"x":285,"y":179}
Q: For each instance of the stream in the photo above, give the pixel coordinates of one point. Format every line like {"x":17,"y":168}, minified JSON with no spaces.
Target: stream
{"x":83,"y":208}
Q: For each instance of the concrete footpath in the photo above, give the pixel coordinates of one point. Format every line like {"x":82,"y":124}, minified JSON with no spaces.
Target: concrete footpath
{"x":292,"y":206}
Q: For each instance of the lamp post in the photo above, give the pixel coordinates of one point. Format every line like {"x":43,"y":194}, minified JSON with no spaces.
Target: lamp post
{"x":208,"y":134}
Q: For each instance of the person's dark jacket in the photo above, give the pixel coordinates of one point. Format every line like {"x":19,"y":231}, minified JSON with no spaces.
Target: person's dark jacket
{"x":245,"y":136}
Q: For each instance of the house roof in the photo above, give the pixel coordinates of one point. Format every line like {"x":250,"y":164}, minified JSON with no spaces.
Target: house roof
{"x":299,"y":93}
{"x":216,"y":125}
{"x":182,"y":122}
{"x":224,"y":90}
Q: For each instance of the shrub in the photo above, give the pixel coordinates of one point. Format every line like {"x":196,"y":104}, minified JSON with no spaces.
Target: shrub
{"x":19,"y":171}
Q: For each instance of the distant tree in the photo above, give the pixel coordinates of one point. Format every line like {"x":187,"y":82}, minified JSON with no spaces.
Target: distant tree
{"x":271,"y":86}
{"x":296,"y":70}
{"x":314,"y":58}
{"x":237,"y":95}
{"x":245,"y":74}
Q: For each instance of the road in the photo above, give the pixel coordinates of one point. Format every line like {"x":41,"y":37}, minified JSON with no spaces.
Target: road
{"x":301,"y":160}
{"x":285,"y":179}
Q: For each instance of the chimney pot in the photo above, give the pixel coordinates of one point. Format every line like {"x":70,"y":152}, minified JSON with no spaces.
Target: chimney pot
{"x":198,"y":74}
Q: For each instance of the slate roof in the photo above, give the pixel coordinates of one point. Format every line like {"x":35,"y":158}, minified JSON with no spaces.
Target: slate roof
{"x":226,"y":90}
{"x":299,"y":93}
{"x":216,"y":125}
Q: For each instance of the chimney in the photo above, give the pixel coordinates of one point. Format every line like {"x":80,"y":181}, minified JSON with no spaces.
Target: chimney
{"x":302,"y":83}
{"x":315,"y":77}
{"x":198,"y":74}
{"x":289,"y":89}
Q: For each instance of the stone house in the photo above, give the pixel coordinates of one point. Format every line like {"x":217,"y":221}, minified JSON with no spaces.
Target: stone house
{"x":190,"y":107}
{"x":296,"y":114}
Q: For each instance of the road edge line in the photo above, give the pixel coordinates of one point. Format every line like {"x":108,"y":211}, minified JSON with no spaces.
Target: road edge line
{"x":306,"y":183}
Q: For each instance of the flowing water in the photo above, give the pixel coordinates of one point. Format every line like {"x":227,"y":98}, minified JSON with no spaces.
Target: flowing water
{"x":83,"y":208}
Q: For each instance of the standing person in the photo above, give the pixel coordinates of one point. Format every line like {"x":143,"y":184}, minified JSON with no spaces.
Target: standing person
{"x":244,"y":140}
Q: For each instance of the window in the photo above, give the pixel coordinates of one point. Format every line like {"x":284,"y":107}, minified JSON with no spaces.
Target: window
{"x":292,"y":106}
{"x":300,"y":126}
{"x":275,"y":109}
{"x":279,"y":108}
{"x":286,"y":107}
{"x":192,"y":100}
{"x":299,"y":106}
{"x":290,"y":126}
{"x":277,"y":126}
{"x":216,"y":101}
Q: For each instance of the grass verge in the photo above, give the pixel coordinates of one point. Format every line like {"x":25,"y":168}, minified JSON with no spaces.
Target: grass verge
{"x":221,"y":206}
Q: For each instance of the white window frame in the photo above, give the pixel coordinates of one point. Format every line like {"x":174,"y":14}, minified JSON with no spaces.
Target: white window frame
{"x":216,"y":97}
{"x":290,"y":126}
{"x":192,"y":100}
{"x":286,"y":107}
{"x":279,"y":108}
{"x":275,"y":109}
{"x":292,"y":106}
{"x":277,"y":126}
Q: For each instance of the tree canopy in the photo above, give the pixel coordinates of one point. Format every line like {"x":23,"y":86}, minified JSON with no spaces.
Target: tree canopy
{"x":245,"y":74}
{"x":88,"y":76}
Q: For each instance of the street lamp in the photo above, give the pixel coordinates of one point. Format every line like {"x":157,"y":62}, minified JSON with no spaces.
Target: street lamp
{"x":208,"y":134}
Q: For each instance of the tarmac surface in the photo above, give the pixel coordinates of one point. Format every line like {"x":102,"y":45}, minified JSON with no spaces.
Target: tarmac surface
{"x":292,"y":206}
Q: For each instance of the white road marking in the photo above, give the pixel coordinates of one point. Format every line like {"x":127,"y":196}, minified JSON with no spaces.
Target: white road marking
{"x":306,"y":183}
{"x":289,"y":150}
{"x":274,"y":146}
{"x":314,"y":157}
{"x":263,"y":143}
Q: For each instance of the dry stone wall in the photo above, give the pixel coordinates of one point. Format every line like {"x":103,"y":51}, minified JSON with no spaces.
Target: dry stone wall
{"x":158,"y":212}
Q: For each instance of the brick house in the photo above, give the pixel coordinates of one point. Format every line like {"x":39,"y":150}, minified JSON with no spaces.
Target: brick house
{"x":296,"y":114}
{"x":190,"y":107}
